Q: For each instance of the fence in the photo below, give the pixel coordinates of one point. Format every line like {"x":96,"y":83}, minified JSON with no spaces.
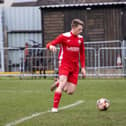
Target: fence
{"x":112,"y":61}
{"x":104,"y":62}
{"x":39,"y":62}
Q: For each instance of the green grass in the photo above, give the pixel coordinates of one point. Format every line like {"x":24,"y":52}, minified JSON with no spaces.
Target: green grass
{"x":20,"y":98}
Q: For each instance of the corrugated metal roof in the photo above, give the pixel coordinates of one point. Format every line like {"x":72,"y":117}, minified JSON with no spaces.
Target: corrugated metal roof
{"x":83,"y":4}
{"x":22,"y":18}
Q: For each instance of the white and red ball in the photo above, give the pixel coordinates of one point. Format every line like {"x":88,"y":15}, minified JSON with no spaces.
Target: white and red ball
{"x":103,"y":104}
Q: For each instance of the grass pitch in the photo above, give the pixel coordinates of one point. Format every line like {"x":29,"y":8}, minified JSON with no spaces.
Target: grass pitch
{"x":21,"y":98}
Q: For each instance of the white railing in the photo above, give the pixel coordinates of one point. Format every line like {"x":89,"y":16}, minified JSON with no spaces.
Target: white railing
{"x":100,"y":62}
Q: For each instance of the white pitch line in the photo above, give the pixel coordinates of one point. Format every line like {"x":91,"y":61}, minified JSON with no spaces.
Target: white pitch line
{"x":42,"y":113}
{"x":71,"y":105}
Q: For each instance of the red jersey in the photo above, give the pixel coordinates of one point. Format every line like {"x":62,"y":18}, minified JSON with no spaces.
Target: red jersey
{"x":71,"y":46}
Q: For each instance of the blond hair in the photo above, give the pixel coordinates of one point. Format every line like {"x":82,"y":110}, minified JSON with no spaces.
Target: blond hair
{"x":76,"y":22}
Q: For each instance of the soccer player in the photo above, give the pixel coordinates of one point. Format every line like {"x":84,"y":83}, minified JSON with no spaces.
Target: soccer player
{"x":71,"y":47}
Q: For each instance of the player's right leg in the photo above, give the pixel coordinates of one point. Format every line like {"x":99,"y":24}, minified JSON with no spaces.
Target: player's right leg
{"x":58,"y":92}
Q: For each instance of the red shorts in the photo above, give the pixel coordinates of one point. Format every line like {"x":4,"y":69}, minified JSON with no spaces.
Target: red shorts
{"x":71,"y":71}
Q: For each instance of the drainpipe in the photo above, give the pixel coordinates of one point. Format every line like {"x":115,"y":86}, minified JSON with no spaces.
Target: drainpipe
{"x":42,"y":26}
{"x":1,"y":41}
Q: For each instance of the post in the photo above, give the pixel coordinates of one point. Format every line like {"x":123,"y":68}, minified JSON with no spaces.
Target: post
{"x":124,"y":56}
{"x":1,"y":40}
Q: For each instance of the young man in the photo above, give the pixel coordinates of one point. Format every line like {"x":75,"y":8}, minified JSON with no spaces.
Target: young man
{"x":71,"y":46}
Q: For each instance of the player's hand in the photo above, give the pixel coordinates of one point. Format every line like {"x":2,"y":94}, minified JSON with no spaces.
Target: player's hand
{"x":52,"y":48}
{"x":83,"y":71}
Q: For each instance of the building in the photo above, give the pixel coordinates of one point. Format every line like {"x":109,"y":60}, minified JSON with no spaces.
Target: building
{"x":24,"y":3}
{"x":18,"y":26}
{"x":104,"y":19}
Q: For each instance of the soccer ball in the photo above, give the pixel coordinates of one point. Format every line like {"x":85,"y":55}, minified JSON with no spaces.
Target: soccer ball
{"x":103,"y":104}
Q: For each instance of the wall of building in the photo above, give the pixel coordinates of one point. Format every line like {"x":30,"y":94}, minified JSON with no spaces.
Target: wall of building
{"x":53,"y":24}
{"x":101,"y":24}
{"x":21,"y":25}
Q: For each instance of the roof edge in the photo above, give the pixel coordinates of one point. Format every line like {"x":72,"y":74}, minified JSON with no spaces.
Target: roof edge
{"x":83,"y":4}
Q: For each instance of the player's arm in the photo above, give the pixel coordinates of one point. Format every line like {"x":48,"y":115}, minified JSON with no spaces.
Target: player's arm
{"x":52,"y":45}
{"x":82,"y":59}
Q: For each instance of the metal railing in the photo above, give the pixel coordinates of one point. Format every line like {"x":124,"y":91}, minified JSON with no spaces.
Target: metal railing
{"x":112,"y":61}
{"x":102,"y":62}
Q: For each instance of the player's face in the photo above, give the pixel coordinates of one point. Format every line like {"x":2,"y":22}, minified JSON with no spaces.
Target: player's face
{"x":77,"y":30}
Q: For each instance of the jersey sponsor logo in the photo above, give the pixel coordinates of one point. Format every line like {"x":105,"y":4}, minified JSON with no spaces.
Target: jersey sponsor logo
{"x":74,"y":49}
{"x":68,"y":40}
